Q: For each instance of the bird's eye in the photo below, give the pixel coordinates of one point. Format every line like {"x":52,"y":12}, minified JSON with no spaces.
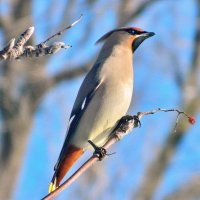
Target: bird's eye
{"x":131,"y":31}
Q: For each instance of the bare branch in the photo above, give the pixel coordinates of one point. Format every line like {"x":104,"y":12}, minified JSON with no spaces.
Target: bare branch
{"x":125,"y":125}
{"x":13,"y":50}
{"x":18,"y":50}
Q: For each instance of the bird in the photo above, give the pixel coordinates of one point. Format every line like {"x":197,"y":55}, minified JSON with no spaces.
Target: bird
{"x":103,"y":98}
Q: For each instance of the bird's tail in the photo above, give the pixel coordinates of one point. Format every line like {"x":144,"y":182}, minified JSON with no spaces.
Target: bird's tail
{"x":70,"y":157}
{"x":53,"y":185}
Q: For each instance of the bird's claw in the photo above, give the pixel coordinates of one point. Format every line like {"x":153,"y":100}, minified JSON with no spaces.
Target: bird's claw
{"x":99,"y":152}
{"x":124,"y":122}
{"x":137,"y":121}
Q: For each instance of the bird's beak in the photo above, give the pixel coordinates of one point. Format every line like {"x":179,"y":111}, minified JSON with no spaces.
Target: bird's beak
{"x":147,"y":34}
{"x":140,"y":38}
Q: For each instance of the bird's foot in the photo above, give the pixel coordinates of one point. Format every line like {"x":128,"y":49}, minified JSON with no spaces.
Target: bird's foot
{"x":137,"y":121}
{"x":123,"y":123}
{"x":99,"y":152}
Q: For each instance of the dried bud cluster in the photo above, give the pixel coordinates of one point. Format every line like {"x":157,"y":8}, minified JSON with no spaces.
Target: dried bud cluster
{"x":18,"y":50}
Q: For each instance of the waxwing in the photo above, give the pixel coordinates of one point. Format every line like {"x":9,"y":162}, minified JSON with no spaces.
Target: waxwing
{"x":103,"y":98}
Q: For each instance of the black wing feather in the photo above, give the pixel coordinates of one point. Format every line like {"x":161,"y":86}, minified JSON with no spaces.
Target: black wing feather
{"x":86,"y":91}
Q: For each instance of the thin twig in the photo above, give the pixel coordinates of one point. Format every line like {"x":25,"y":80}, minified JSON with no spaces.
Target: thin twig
{"x":61,"y":32}
{"x":125,"y":125}
{"x":167,"y":110}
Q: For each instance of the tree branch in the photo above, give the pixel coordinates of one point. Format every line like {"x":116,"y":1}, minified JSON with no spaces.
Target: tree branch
{"x":19,"y":50}
{"x":125,"y":125}
{"x":189,"y":190}
{"x":36,"y":90}
{"x":124,"y":19}
{"x":69,"y":74}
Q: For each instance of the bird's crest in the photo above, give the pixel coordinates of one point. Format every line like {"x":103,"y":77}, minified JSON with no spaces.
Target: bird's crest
{"x":115,"y":30}
{"x":101,"y":39}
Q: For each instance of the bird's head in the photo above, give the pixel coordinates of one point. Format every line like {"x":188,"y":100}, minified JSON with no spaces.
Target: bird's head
{"x":130,"y":36}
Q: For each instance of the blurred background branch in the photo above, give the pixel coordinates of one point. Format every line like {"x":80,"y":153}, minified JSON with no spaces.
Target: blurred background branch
{"x":155,"y":171}
{"x":189,"y":190}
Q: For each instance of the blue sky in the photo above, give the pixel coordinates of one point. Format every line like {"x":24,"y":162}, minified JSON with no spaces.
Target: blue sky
{"x":154,"y":87}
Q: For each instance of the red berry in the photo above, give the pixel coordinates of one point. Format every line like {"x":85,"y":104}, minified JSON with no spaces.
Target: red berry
{"x":191,"y":120}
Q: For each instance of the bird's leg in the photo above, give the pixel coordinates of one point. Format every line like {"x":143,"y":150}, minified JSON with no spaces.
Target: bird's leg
{"x":100,"y":152}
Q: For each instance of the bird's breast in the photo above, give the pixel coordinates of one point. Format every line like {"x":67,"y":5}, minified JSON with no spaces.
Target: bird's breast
{"x":110,"y":102}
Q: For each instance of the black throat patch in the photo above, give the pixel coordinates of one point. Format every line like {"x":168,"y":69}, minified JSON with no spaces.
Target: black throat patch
{"x":136,"y":43}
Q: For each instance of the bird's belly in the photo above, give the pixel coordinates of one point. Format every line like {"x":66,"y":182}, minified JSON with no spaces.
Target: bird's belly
{"x":106,"y":109}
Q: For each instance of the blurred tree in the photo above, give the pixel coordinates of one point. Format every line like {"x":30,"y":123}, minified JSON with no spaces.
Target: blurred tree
{"x":23,"y":84}
{"x":189,"y":103}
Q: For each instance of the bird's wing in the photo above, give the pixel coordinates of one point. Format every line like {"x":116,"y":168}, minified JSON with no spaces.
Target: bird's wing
{"x":86,"y":92}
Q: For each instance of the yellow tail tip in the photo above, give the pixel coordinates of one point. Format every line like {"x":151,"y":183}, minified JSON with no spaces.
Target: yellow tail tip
{"x":52,"y":187}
